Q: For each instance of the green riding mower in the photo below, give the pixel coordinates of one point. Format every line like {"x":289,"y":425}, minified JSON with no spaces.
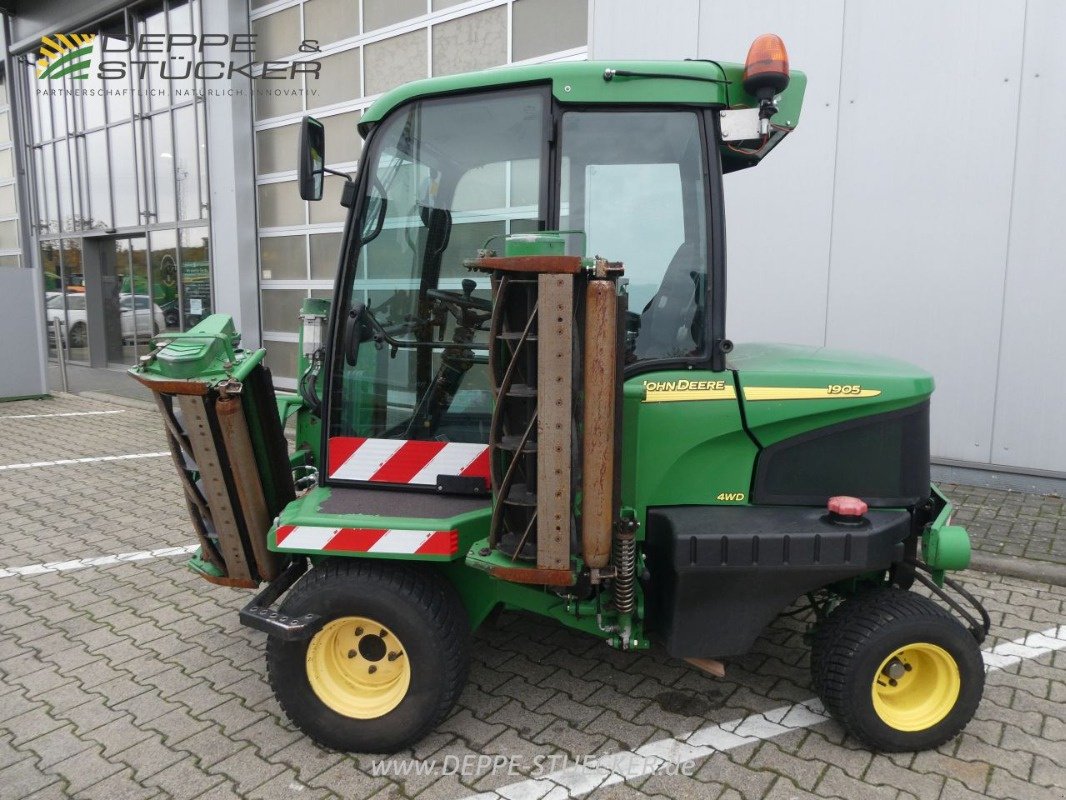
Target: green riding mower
{"x":521,"y":395}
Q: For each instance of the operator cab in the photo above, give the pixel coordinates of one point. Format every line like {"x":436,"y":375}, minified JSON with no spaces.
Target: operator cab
{"x":409,"y":401}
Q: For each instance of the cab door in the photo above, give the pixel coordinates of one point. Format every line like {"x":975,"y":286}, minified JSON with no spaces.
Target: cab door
{"x":410,"y":400}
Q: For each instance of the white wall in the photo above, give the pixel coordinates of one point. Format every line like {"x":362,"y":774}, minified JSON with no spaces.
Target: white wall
{"x":914,"y":212}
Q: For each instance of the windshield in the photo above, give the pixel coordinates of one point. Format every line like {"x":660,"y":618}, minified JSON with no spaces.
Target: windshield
{"x":446,"y":176}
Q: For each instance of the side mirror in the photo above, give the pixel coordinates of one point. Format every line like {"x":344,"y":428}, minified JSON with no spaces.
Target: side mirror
{"x":312,"y":158}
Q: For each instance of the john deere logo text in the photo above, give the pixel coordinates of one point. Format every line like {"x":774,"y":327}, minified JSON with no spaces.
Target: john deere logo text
{"x":683,"y":389}
{"x":65,"y":54}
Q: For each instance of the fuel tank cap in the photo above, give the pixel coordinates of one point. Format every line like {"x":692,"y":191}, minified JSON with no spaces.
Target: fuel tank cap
{"x":847,"y":508}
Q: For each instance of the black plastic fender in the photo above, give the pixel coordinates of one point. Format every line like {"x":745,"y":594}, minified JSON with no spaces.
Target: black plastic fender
{"x":720,"y":574}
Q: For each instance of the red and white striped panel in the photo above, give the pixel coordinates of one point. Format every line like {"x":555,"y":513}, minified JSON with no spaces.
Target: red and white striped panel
{"x":353,"y":458}
{"x":368,"y":540}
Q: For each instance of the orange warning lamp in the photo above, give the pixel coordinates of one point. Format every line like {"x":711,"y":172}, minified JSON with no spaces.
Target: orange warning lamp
{"x":766,"y":67}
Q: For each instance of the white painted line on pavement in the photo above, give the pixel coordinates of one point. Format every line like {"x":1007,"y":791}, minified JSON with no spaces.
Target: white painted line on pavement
{"x":99,"y":561}
{"x":63,"y":414}
{"x":88,"y":460}
{"x":652,"y":757}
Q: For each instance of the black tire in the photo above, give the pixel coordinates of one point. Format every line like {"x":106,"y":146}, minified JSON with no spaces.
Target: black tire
{"x":415,"y":604}
{"x":77,"y":335}
{"x":874,"y":627}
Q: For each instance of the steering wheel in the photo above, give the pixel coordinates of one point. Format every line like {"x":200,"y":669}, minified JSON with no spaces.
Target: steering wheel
{"x":465,"y":301}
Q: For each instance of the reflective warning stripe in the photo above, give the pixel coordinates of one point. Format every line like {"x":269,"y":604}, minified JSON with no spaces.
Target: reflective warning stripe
{"x":354,"y":458}
{"x":387,"y":541}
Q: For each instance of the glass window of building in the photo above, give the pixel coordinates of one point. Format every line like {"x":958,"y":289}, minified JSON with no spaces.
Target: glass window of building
{"x":10,"y":252}
{"x":119,"y":190}
{"x":327,"y":21}
{"x":544,"y":26}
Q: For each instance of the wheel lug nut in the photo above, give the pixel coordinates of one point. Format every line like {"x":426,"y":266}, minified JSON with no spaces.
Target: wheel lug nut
{"x":383,"y":633}
{"x":351,"y":654}
{"x":358,"y":631}
{"x":373,"y":669}
{"x":394,"y":655}
{"x":908,"y":667}
{"x":891,"y":681}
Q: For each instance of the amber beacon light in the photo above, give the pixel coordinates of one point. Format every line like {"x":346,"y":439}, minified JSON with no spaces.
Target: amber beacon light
{"x":766,"y":67}
{"x":766,"y":75}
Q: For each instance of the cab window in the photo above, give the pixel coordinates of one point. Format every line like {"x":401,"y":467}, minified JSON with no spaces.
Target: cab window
{"x":634,"y":183}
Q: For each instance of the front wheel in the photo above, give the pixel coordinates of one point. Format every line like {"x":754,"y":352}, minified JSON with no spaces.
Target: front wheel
{"x":897,"y":671}
{"x":386,"y":666}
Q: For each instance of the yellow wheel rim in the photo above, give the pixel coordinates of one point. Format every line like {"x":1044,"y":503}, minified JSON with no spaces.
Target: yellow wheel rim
{"x":916,"y":687}
{"x":358,"y":667}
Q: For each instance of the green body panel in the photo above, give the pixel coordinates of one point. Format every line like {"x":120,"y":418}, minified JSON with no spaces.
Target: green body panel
{"x":208,"y":353}
{"x":481,"y":593}
{"x":545,"y":243}
{"x":307,"y":510}
{"x":945,"y":546}
{"x":309,"y":435}
{"x":781,"y":366}
{"x":683,"y":452}
{"x":288,"y":404}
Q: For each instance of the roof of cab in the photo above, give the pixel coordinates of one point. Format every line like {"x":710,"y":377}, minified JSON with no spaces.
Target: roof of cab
{"x":702,"y":83}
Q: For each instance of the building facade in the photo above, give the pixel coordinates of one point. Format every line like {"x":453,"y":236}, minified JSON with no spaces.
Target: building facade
{"x":917,"y":222}
{"x":158,"y":180}
{"x":915,"y":211}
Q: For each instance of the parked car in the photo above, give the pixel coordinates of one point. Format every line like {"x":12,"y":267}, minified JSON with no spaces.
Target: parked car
{"x":140,"y":317}
{"x":148,"y":316}
{"x":77,"y":333}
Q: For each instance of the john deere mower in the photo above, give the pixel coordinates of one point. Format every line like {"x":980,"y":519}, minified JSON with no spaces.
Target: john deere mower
{"x":521,"y":396}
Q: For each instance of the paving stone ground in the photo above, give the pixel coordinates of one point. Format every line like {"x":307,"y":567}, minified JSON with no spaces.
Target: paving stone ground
{"x":136,"y":680}
{"x":1029,"y":526}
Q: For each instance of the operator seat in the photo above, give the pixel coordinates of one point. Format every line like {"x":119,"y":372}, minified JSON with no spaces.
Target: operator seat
{"x":671,"y":324}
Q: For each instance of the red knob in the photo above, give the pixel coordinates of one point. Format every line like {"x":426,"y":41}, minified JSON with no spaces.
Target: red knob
{"x":845,"y":506}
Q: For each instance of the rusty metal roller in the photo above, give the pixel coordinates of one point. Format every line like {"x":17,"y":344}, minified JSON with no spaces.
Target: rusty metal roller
{"x":233,"y":427}
{"x":598,"y":443}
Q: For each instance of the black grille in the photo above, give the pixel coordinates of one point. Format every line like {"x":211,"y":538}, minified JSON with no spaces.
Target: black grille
{"x":883,"y":459}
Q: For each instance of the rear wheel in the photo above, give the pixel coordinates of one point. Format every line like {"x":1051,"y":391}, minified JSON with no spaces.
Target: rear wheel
{"x":896,"y":670}
{"x":77,"y":335}
{"x":387,"y":665}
